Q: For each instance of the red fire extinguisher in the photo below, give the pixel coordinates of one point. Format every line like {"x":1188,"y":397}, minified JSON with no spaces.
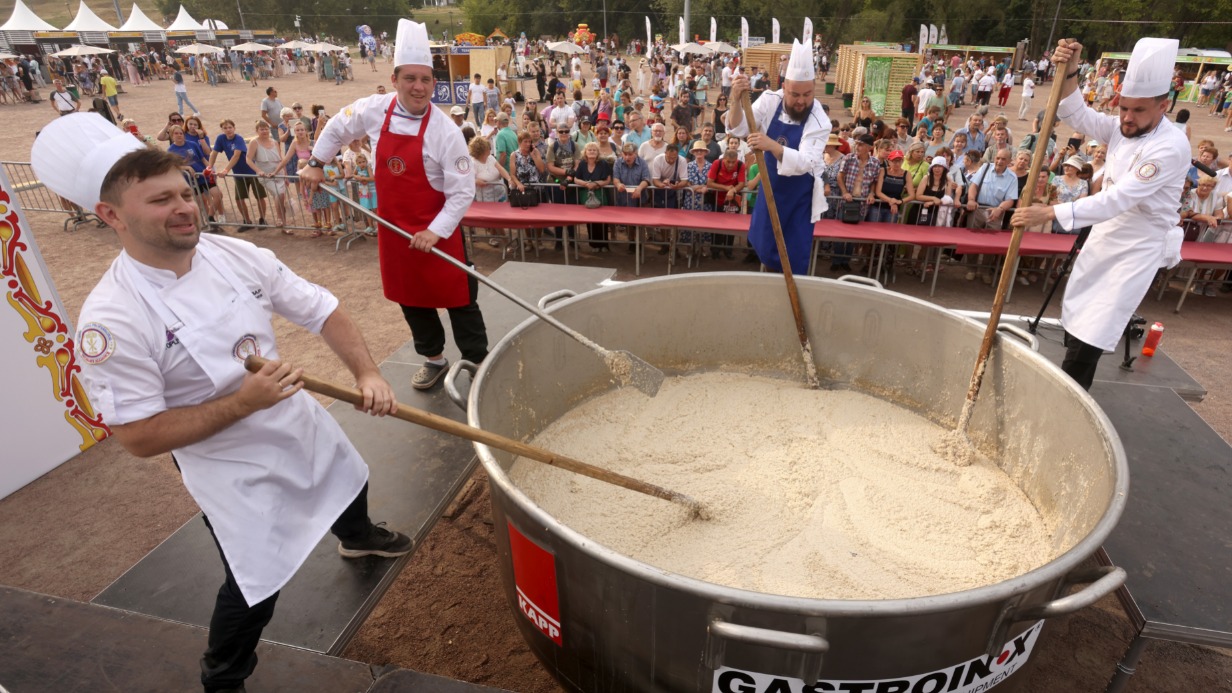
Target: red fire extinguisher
{"x":1152,"y":339}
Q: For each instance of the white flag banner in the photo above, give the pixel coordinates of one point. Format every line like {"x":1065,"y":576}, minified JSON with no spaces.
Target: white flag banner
{"x":744,"y":34}
{"x":808,"y":33}
{"x":649,"y":40}
{"x":923,"y":37}
{"x":774,"y":31}
{"x":714,"y":30}
{"x":932,"y":33}
{"x":683,"y":38}
{"x":942,"y":38}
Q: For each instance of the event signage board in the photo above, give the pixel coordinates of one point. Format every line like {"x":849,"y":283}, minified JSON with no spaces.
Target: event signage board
{"x":45,"y":417}
{"x":877,"y":81}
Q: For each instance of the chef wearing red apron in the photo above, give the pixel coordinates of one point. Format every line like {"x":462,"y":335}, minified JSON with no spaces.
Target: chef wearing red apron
{"x":161,"y":344}
{"x":424,"y":185}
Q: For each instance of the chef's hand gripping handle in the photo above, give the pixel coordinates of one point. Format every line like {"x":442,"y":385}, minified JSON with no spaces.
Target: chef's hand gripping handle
{"x":451,"y":381}
{"x":1103,"y":581}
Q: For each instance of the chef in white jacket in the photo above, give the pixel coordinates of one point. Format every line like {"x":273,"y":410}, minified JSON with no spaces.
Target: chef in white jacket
{"x":792,"y":131}
{"x":1135,"y":217}
{"x":161,"y":343}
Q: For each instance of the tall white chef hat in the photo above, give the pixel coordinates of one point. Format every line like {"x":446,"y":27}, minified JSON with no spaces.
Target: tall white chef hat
{"x":411,"y":44}
{"x":800,"y":67}
{"x":1150,"y":68}
{"x":73,"y":154}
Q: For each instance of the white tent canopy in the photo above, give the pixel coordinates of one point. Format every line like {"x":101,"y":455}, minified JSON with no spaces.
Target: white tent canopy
{"x":86,"y":20}
{"x":137,"y":21}
{"x":214,"y":24}
{"x":185,"y":22}
{"x":24,"y":19}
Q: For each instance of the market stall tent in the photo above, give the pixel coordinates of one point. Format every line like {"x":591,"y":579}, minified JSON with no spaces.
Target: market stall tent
{"x":24,"y":19}
{"x":86,"y":20}
{"x":185,"y":22}
{"x":138,"y":21}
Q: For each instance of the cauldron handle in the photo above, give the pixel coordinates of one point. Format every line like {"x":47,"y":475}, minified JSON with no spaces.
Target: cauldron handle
{"x":555,"y":296}
{"x":1020,"y":333}
{"x":860,"y":279}
{"x":1103,"y":581}
{"x":451,"y":381}
{"x":722,"y":630}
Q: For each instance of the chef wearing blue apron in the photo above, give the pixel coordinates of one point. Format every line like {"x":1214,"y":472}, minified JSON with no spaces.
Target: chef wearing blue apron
{"x":161,"y":345}
{"x":792,"y":131}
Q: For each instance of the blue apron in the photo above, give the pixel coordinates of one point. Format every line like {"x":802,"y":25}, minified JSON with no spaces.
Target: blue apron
{"x":794,"y":195}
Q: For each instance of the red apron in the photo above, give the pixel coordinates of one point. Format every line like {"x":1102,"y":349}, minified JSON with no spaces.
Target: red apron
{"x":405,"y":198}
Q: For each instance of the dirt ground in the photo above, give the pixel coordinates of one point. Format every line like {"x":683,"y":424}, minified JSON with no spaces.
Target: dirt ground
{"x":75,"y":530}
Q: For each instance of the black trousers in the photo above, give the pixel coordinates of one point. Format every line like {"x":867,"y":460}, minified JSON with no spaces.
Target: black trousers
{"x":469,"y":332}
{"x":1080,"y":360}
{"x":235,"y":627}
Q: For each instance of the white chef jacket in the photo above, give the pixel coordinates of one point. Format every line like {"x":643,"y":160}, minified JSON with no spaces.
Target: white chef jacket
{"x":1135,"y":221}
{"x":444,"y":151}
{"x":808,"y":159}
{"x":134,"y":367}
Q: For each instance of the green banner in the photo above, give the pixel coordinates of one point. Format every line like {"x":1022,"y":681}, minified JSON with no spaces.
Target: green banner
{"x":877,"y":81}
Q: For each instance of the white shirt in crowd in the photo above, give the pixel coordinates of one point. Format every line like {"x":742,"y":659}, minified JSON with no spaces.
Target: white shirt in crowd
{"x":923,"y":97}
{"x":1028,"y":86}
{"x":662,"y":171}
{"x":476,"y":92}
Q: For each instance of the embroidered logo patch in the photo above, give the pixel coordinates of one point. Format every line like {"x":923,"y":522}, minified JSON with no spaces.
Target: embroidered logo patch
{"x":1147,"y":171}
{"x":95,"y":343}
{"x":782,"y":141}
{"x":247,"y":346}
{"x":463,"y":164}
{"x":396,"y":165}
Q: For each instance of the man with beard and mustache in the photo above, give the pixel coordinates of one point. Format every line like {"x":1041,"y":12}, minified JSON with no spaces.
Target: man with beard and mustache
{"x":161,"y":345}
{"x":1135,"y":216}
{"x":793,"y":130}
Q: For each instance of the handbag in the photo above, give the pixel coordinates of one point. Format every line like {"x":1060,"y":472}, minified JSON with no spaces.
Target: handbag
{"x":849,"y":212}
{"x":523,"y":199}
{"x":592,"y":200}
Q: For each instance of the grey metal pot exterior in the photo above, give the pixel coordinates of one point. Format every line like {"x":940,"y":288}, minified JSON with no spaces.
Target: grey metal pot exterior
{"x":627,"y":626}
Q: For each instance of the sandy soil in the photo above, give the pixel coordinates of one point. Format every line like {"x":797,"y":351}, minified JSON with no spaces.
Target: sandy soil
{"x":76,"y":529}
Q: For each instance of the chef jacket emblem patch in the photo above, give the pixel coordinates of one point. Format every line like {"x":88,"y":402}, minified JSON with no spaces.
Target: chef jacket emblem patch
{"x":782,"y":141}
{"x":245,"y":347}
{"x":1147,"y":171}
{"x":95,"y":343}
{"x":396,"y":165}
{"x":463,"y":164}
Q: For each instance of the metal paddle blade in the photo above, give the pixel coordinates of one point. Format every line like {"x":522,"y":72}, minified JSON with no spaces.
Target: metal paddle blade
{"x":632,"y":370}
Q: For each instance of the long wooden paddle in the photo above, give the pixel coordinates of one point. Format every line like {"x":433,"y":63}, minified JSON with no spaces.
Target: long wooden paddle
{"x":1011,"y":256}
{"x":806,"y":348}
{"x":478,"y":435}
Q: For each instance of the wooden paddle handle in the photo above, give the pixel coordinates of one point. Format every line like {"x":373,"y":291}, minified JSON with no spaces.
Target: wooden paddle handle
{"x":793,"y":295}
{"x":478,"y":435}
{"x":1011,"y":255}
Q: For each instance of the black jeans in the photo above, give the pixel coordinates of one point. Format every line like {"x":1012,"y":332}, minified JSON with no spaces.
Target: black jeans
{"x":469,"y":332}
{"x":1080,"y":360}
{"x":235,"y":627}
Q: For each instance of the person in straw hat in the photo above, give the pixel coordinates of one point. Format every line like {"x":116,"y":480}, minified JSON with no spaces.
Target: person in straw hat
{"x":1134,"y":216}
{"x":793,"y":130}
{"x":425,"y":184}
{"x":161,"y":345}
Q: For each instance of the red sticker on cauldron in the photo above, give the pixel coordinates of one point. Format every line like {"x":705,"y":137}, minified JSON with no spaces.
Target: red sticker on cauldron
{"x":534,"y":578}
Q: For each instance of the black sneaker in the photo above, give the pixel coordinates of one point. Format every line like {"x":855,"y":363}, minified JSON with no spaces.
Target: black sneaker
{"x":428,"y":376}
{"x":261,"y":221}
{"x":377,"y":542}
